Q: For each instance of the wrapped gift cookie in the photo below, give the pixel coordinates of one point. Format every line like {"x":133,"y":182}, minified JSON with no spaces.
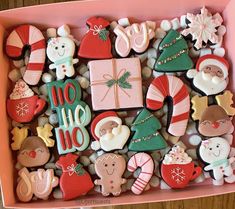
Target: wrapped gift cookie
{"x":177,"y":168}
{"x":214,"y":120}
{"x":23,"y":105}
{"x":96,"y":43}
{"x":39,"y":183}
{"x":166,"y":86}
{"x":202,"y":28}
{"x":146,"y":137}
{"x":211,"y":74}
{"x":110,"y":168}
{"x":214,"y":152}
{"x":73,"y":114}
{"x":174,"y":54}
{"x":116,"y":83}
{"x":75,"y":180}
{"x":28,"y":36}
{"x":136,"y":37}
{"x":108,"y":131}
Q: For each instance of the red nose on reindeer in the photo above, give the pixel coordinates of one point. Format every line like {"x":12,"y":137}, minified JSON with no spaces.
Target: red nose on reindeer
{"x":215,"y":124}
{"x":32,"y":154}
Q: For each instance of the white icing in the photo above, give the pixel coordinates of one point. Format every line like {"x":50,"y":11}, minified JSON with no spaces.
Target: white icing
{"x":21,"y":90}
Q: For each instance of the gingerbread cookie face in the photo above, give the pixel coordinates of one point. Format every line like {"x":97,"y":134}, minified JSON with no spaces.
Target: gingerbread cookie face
{"x":110,"y":168}
{"x":33,"y":152}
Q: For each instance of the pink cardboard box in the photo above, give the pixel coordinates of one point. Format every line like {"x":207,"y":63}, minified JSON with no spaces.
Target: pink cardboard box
{"x":75,"y":14}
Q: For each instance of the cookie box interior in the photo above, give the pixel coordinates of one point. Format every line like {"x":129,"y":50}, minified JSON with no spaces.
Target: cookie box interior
{"x":75,"y":14}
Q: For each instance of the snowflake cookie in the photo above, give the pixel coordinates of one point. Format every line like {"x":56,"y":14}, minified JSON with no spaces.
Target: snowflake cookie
{"x":202,"y":28}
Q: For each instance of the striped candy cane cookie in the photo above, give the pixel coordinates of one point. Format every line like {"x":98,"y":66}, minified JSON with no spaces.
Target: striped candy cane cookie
{"x":145,"y":162}
{"x":170,"y":86}
{"x":28,"y":36}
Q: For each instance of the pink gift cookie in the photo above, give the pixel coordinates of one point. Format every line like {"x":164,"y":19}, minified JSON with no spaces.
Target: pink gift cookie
{"x":28,"y":36}
{"x":145,"y":162}
{"x":110,"y":168}
{"x":116,"y":83}
{"x":136,"y":37}
{"x":109,"y":132}
{"x":39,"y":183}
{"x":211,"y":74}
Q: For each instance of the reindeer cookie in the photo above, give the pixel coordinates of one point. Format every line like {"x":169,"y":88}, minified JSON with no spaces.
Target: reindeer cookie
{"x":110,"y":168}
{"x":216,"y":119}
{"x":33,"y":150}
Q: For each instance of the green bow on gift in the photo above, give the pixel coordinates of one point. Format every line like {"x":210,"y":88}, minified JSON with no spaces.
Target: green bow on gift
{"x":121,"y":82}
{"x":79,"y":170}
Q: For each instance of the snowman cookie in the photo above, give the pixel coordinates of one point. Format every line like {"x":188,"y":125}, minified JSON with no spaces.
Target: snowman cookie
{"x":214,"y":152}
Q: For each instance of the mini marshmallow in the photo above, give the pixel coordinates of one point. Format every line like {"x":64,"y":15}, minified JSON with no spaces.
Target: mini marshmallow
{"x":205,"y":52}
{"x":157,"y":74}
{"x":166,"y":25}
{"x":156,"y":43}
{"x":146,"y":72}
{"x":14,"y":75}
{"x":91,"y":169}
{"x":113,"y":25}
{"x":142,"y":57}
{"x":53,"y":119}
{"x":195,"y":140}
{"x":84,"y":160}
{"x":82,"y":69}
{"x":151,"y":63}
{"x":219,"y":52}
{"x":43,"y":89}
{"x":194,"y":53}
{"x":152,"y":53}
{"x":18,"y":63}
{"x":95,"y":145}
{"x":93,"y":157}
{"x":154,"y":181}
{"x":57,"y":193}
{"x":51,"y":33}
{"x":175,"y":23}
{"x":84,"y":83}
{"x":183,"y":21}
{"x":192,"y":153}
{"x":160,"y":33}
{"x":47,"y":77}
{"x":42,"y":121}
{"x":124,"y":22}
{"x":221,"y":30}
{"x":63,"y":31}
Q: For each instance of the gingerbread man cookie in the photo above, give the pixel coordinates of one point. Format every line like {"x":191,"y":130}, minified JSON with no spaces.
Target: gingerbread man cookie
{"x":110,"y":168}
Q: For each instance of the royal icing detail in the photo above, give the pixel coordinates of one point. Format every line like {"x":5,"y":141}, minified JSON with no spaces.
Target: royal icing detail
{"x":107,"y":128}
{"x":210,"y":75}
{"x":96,"y":43}
{"x":23,"y":105}
{"x":73,"y":114}
{"x":28,"y":36}
{"x":136,"y":37}
{"x":146,"y":137}
{"x":214,"y":120}
{"x":203,"y":28}
{"x":110,"y":168}
{"x":177,"y":168}
{"x":170,"y":86}
{"x":145,"y":162}
{"x":174,"y":54}
{"x":39,"y":183}
{"x":116,"y":83}
{"x":60,"y":51}
{"x":214,"y":152}
{"x":75,"y":180}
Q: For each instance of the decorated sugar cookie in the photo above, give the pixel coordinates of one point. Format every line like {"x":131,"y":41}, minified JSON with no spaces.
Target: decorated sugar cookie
{"x":177,"y":168}
{"x":73,"y":114}
{"x":96,"y":43}
{"x":174,"y":54}
{"x":214,"y":152}
{"x":170,"y":86}
{"x":75,"y":180}
{"x":110,"y":168}
{"x":108,"y":130}
{"x":60,"y":51}
{"x":28,"y":36}
{"x":210,"y":75}
{"x":145,"y":162}
{"x":39,"y":183}
{"x":136,"y":37}
{"x":146,"y":137}
{"x":214,"y":120}
{"x":202,"y":28}
{"x":23,"y":105}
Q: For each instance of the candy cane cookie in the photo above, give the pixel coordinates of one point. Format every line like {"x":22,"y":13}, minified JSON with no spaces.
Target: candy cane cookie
{"x":21,"y":38}
{"x":166,"y":86}
{"x":145,"y":162}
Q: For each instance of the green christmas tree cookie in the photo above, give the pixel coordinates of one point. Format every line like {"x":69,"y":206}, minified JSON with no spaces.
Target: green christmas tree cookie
{"x":174,"y":54}
{"x":146,"y":137}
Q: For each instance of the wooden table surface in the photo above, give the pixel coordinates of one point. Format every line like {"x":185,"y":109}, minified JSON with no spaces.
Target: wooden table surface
{"x":216,"y":202}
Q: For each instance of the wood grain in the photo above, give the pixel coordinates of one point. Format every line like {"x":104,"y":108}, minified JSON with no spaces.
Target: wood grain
{"x":216,"y":202}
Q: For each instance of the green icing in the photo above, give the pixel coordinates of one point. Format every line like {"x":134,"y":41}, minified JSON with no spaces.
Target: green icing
{"x":177,"y":51}
{"x":146,"y":137}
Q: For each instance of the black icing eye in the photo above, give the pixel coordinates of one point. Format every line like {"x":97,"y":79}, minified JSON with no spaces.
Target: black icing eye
{"x":210,"y":148}
{"x":62,"y":46}
{"x":56,"y":48}
{"x":217,"y":146}
{"x":113,"y":164}
{"x":105,"y":165}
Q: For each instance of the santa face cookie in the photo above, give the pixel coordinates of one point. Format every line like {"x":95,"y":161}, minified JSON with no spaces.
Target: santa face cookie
{"x":60,"y":51}
{"x":214,"y":152}
{"x":108,"y":130}
{"x":210,"y":75}
{"x":110,"y":168}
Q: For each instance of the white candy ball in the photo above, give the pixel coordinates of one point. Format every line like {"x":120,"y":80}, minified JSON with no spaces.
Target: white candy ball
{"x":18,"y":63}
{"x":166,"y":25}
{"x":14,"y":75}
{"x":195,"y":140}
{"x":43,"y":89}
{"x":51,"y":33}
{"x":95,"y":145}
{"x":53,"y":119}
{"x":151,"y":63}
{"x":63,"y":30}
{"x":175,"y":23}
{"x":100,"y":152}
{"x":160,"y":33}
{"x":205,"y":52}
{"x":146,"y":72}
{"x":156,"y":43}
{"x":124,"y":22}
{"x":93,"y":157}
{"x":183,"y":21}
{"x":154,"y":181}
{"x":42,"y":121}
{"x":219,"y":52}
{"x":47,"y":77}
{"x":84,"y":160}
{"x":152,"y":53}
